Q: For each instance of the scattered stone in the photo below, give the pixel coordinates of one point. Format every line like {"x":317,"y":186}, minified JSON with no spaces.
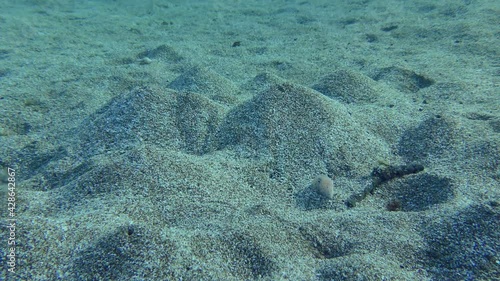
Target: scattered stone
{"x":393,"y":205}
{"x":323,"y":185}
{"x":145,"y":60}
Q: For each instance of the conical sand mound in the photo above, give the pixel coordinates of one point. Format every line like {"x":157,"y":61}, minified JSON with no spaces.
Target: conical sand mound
{"x":304,"y":131}
{"x":145,"y":117}
{"x":207,"y":83}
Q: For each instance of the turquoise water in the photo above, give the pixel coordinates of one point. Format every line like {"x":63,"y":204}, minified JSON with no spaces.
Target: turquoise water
{"x":249,"y":140}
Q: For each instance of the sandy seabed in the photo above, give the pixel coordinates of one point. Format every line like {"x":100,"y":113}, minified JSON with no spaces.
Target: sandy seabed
{"x":183,"y":140}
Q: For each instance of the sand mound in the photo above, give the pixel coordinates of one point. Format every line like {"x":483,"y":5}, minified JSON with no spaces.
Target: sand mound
{"x":304,"y":131}
{"x":348,"y":87}
{"x":190,"y":182}
{"x":207,"y":83}
{"x":167,"y":119}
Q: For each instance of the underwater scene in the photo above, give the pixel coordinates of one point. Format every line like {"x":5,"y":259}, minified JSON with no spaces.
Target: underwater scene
{"x":318,"y":140}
